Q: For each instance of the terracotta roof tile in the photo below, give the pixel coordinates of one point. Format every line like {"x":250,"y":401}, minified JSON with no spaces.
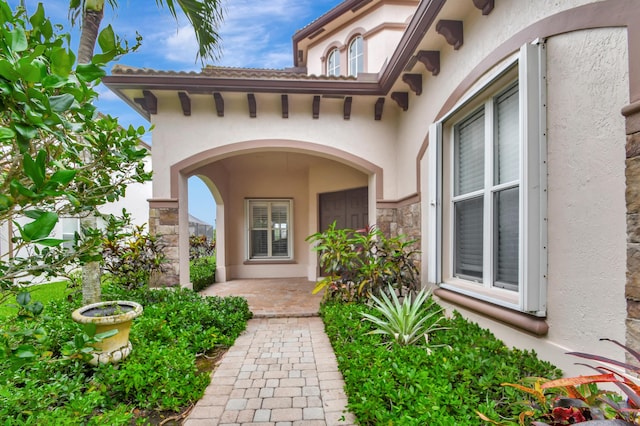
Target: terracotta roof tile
{"x":229,"y":72}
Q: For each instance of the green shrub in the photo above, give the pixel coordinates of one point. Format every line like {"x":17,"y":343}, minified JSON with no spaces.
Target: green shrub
{"x":130,"y":254}
{"x":202,"y":272}
{"x":364,"y":262}
{"x":176,"y":328}
{"x":404,"y":385}
{"x":201,"y":246}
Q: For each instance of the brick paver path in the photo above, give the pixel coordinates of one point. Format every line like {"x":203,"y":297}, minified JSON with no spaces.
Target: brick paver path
{"x":280,"y":371}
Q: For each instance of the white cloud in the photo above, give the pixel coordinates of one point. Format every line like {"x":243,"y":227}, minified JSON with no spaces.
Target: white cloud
{"x":181,"y":46}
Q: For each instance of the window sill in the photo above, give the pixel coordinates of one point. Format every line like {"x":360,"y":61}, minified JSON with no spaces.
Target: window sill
{"x":269,"y":262}
{"x":531,"y":324}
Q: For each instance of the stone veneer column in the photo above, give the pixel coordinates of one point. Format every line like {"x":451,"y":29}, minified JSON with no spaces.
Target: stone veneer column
{"x":632,"y":171}
{"x":163,"y":222}
{"x":394,"y":220}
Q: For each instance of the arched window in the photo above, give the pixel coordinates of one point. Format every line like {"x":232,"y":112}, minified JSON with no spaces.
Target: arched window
{"x":356,"y":56}
{"x":333,"y":62}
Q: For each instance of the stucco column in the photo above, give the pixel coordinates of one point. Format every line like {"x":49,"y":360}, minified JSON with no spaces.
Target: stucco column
{"x":632,"y":290}
{"x":163,"y":222}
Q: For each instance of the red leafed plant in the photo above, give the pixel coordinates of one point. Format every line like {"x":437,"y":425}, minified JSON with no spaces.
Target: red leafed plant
{"x":572,"y":400}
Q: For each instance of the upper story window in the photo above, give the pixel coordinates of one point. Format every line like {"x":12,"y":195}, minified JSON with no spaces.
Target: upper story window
{"x":356,"y":56}
{"x":333,"y":63}
{"x":487,"y":189}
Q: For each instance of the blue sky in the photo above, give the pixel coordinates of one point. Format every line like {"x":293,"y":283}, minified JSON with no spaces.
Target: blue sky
{"x":255,"y":33}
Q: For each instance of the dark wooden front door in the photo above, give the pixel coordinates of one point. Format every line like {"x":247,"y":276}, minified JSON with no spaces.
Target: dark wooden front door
{"x":350,"y":209}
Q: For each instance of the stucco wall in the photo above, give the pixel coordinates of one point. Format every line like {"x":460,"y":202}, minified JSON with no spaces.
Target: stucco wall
{"x":178,"y":137}
{"x":378,"y":48}
{"x":587,"y":224}
{"x":586,"y":212}
{"x":482,"y":34}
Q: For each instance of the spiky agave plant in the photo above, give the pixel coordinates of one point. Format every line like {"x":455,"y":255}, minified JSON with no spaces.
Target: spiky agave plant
{"x":408,"y":322}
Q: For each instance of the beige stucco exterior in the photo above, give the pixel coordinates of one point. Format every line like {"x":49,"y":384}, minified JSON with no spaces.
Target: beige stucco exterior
{"x":381,"y":29}
{"x":590,"y":51}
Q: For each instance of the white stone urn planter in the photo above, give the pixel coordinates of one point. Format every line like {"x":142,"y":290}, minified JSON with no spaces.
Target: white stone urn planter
{"x":118,"y":315}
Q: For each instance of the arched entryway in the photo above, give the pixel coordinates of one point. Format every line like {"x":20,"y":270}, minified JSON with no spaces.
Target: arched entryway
{"x":268,"y":201}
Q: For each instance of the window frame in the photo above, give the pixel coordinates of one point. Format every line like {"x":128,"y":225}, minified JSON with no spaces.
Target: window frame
{"x":333,"y":70}
{"x":358,"y":57}
{"x":487,"y":112}
{"x":532,"y":245}
{"x":249,"y":202}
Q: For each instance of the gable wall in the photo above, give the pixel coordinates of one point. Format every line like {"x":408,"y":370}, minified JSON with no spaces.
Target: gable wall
{"x":379,"y":45}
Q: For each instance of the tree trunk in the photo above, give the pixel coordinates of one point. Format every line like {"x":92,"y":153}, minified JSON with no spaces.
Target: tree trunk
{"x":90,"y":26}
{"x":91,"y":19}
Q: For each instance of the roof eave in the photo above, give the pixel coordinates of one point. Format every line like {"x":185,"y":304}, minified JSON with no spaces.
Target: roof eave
{"x":210,"y":84}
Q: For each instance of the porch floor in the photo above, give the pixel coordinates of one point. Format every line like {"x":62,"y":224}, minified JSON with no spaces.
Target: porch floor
{"x":272,"y":297}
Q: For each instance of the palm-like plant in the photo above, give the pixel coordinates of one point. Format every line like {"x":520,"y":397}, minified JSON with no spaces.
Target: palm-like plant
{"x":408,"y":322}
{"x":204,"y":15}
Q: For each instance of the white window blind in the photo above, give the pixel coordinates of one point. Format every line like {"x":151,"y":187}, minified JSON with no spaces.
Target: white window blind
{"x":469,"y":152}
{"x":269,"y":229}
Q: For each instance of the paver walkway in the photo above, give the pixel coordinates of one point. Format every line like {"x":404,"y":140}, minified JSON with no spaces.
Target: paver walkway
{"x":280,"y":371}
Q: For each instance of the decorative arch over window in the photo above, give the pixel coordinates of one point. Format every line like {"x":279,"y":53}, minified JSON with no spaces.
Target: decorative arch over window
{"x":333,"y":62}
{"x":356,"y":56}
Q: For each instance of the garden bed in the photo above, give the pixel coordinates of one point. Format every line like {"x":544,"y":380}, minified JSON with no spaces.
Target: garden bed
{"x":165,"y":374}
{"x":414,"y":385}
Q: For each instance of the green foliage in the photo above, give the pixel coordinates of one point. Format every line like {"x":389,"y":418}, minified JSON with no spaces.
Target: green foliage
{"x":59,"y":156}
{"x":201,"y":246}
{"x":360,"y":263}
{"x":202,"y":272}
{"x":404,"y":385}
{"x":130,"y":254}
{"x":408,"y":322}
{"x":57,"y":387}
{"x":570,"y":400}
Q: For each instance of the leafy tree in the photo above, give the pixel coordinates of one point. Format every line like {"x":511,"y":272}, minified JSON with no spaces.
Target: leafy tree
{"x":59,"y":156}
{"x":205,"y":17}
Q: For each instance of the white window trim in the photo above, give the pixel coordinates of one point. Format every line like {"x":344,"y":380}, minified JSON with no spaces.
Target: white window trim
{"x":290,"y":237}
{"x":531,"y":298}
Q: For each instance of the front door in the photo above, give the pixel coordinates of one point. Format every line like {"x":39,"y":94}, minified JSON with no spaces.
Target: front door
{"x":349,"y":209}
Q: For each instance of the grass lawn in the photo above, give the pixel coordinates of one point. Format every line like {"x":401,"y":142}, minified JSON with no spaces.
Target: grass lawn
{"x":44,"y":293}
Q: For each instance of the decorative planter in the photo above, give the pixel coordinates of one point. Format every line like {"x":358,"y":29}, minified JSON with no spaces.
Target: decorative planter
{"x":117,"y":314}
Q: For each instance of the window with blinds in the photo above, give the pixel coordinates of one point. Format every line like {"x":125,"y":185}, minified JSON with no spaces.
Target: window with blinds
{"x":487,"y":188}
{"x":269,"y":229}
{"x":486,"y":192}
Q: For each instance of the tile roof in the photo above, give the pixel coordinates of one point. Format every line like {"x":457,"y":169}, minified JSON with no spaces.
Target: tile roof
{"x":231,"y":73}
